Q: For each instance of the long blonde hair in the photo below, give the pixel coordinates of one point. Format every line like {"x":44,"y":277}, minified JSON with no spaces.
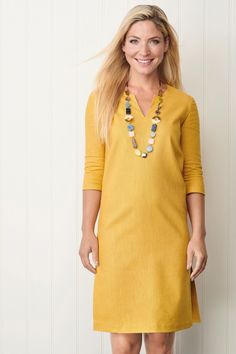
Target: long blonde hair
{"x":111,"y":79}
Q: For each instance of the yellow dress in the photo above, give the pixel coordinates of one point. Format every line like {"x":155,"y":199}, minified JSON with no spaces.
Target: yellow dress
{"x":142,"y":283}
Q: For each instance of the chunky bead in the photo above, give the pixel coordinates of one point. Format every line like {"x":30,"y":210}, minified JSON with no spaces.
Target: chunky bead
{"x":131,"y":133}
{"x":137,"y":152}
{"x":144,"y":154}
{"x":149,"y":148}
{"x":134,"y":143}
{"x":156,"y":120}
{"x":128,"y":117}
{"x":151,"y":141}
{"x":152,"y":134}
{"x":154,"y":127}
{"x":128,"y":111}
{"x":130,"y":127}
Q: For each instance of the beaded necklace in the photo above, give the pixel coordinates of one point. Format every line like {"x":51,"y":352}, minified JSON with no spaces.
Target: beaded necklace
{"x":155,"y":119}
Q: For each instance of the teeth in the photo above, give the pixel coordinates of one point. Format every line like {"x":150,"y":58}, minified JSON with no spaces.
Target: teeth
{"x":144,"y":61}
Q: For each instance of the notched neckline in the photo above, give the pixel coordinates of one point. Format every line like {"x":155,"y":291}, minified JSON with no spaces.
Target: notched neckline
{"x":150,"y":109}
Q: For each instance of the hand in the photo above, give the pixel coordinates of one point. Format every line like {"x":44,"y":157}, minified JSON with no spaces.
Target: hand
{"x":197,"y":248}
{"x":89,"y":243}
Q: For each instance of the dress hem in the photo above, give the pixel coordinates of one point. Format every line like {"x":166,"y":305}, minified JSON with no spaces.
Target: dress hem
{"x":98,"y":326}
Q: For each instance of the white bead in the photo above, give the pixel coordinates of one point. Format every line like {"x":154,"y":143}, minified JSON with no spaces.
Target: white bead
{"x":156,"y":120}
{"x":151,"y":141}
{"x":131,"y":133}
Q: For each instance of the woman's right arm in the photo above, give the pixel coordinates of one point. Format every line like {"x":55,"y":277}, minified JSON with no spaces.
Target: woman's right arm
{"x":92,"y":188}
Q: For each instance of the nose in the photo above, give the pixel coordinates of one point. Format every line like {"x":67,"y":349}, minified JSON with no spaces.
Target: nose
{"x":144,"y":50}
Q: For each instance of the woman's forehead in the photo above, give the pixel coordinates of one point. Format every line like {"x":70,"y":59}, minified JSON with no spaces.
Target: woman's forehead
{"x":144,"y":28}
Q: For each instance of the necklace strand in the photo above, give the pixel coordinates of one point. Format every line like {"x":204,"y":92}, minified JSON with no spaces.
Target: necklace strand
{"x":155,"y":120}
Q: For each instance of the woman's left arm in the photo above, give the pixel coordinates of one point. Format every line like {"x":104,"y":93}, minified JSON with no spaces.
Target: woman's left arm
{"x":195,"y":189}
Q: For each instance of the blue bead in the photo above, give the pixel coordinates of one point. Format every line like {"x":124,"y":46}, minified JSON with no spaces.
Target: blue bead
{"x":130,"y":127}
{"x":149,"y":148}
{"x":154,"y":127}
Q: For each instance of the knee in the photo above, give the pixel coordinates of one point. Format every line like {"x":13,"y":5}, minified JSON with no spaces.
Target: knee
{"x":160,"y":343}
{"x":125,"y":348}
{"x":123,"y":345}
{"x":163,"y":348}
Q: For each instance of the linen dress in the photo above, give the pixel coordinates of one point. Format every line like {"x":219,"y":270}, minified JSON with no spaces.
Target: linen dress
{"x":142,"y":283}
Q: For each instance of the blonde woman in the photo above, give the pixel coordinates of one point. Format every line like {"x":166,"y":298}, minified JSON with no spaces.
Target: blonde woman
{"x":143,"y":173}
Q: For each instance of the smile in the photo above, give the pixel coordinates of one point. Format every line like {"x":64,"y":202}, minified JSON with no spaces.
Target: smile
{"x":144,"y":61}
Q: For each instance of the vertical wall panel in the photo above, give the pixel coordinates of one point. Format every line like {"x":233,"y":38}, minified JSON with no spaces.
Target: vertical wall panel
{"x":39,"y":179}
{"x":217,"y":161}
{"x":64,"y":160}
{"x":231,"y":196}
{"x":90,"y":41}
{"x":13,"y":177}
{"x":192,"y":65}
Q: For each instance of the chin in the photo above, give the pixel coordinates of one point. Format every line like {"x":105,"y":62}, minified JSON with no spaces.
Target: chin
{"x":145,"y":71}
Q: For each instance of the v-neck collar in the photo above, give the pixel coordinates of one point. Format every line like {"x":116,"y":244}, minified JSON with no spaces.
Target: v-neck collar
{"x":150,"y":109}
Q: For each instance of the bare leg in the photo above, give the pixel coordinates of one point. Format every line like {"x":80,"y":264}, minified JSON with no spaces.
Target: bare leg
{"x":126,"y":343}
{"x":159,"y":343}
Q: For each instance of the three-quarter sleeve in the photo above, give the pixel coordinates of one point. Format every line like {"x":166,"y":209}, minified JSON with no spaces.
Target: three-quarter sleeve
{"x":191,"y":147}
{"x":94,"y":150}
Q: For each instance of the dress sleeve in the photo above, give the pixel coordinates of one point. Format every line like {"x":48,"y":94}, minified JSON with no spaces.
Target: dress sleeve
{"x":190,"y":140}
{"x":94,"y":150}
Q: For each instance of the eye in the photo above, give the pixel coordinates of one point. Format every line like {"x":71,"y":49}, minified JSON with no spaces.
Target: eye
{"x":156,"y":41}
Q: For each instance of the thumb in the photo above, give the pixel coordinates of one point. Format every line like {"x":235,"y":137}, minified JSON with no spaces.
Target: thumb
{"x":95,"y":256}
{"x":189,"y":259}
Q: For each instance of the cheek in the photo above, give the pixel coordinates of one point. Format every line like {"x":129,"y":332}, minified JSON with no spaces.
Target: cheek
{"x":158,"y":50}
{"x":130,"y":51}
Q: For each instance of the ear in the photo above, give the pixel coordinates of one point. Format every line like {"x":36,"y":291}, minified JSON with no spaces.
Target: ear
{"x":166,"y":43}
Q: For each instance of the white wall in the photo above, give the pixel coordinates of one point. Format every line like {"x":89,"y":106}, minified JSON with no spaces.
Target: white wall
{"x":45,"y":293}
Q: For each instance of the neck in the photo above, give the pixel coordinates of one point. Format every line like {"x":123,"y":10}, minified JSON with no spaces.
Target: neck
{"x":145,"y":82}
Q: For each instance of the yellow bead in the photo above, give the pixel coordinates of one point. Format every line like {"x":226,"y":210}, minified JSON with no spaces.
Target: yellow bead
{"x":137,"y":152}
{"x":128,"y":117}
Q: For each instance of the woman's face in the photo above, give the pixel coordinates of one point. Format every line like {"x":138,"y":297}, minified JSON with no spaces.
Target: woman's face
{"x":144,"y":47}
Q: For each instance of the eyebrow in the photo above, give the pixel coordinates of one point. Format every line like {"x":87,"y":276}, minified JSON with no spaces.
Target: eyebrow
{"x":149,"y":38}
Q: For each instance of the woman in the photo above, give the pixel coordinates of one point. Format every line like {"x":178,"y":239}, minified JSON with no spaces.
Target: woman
{"x":143,"y":171}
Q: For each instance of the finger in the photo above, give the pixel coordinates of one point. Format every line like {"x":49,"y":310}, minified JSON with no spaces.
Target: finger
{"x":198,"y":266}
{"x":201,"y":269}
{"x":189,"y":259}
{"x":87,"y":264}
{"x":95,"y":256}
